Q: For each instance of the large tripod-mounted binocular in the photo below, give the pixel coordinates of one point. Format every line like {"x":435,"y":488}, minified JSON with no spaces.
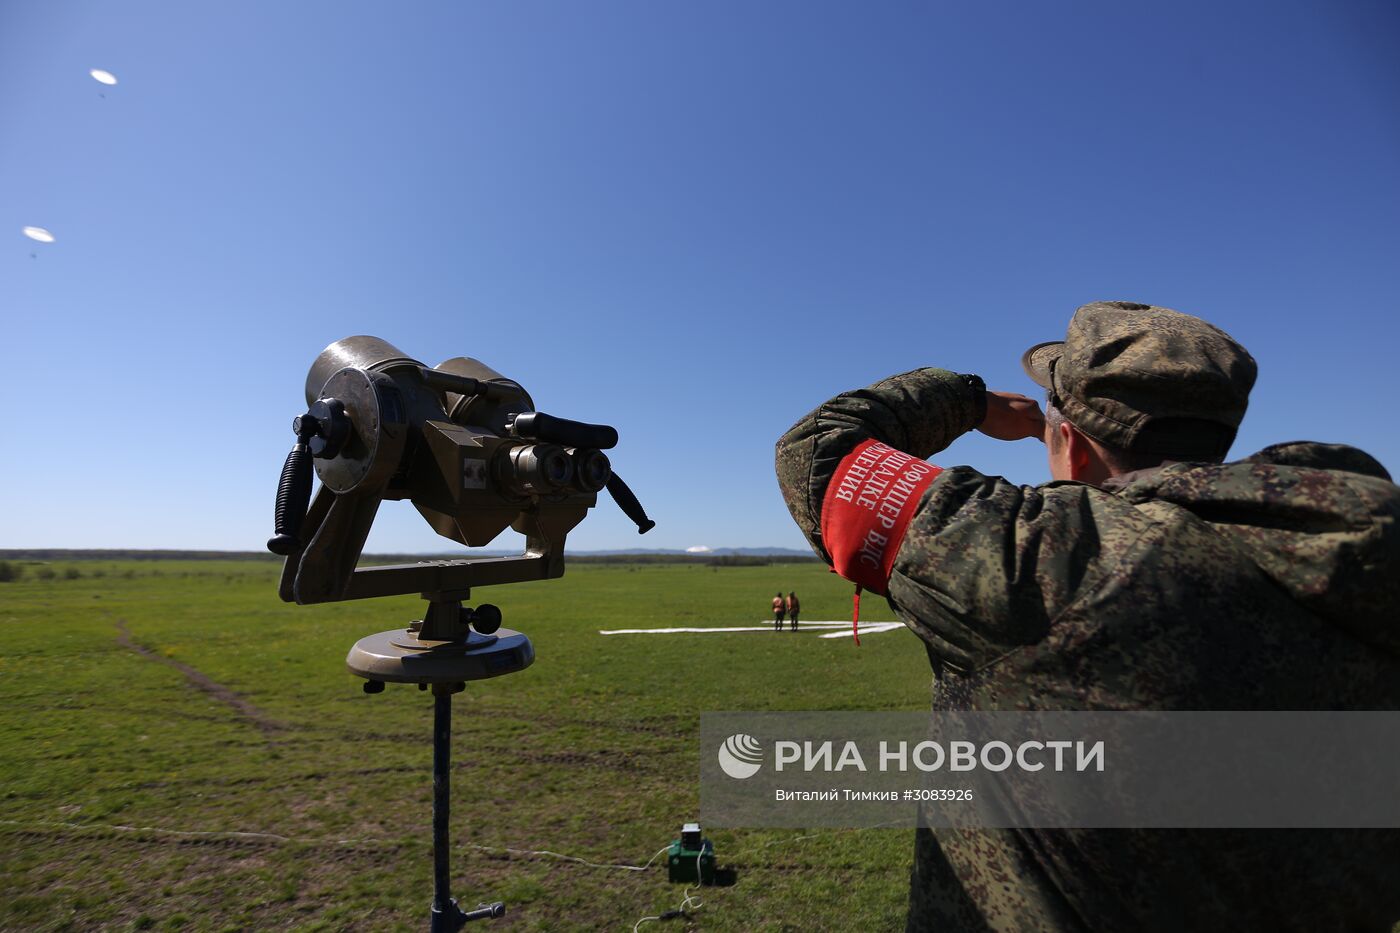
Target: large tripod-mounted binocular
{"x":459,"y":440}
{"x":467,"y":447}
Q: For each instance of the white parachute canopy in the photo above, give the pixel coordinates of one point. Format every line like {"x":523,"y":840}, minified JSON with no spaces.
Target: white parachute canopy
{"x":103,"y":77}
{"x":38,"y":233}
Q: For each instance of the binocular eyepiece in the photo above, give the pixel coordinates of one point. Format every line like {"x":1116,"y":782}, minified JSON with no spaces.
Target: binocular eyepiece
{"x":545,"y":469}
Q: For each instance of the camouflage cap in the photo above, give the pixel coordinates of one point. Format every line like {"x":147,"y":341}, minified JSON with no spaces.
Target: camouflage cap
{"x":1147,"y":379}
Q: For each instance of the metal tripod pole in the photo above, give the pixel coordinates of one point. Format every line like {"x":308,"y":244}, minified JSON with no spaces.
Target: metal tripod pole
{"x":447,"y":917}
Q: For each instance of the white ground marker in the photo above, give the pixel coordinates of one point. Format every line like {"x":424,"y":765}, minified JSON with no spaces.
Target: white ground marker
{"x":843,"y":629}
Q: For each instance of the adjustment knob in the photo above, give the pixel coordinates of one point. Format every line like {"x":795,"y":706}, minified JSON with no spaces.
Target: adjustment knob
{"x":330,"y":427}
{"x":486,"y":619}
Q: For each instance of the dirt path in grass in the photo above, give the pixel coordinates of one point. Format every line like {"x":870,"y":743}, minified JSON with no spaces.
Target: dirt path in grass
{"x":203,"y":683}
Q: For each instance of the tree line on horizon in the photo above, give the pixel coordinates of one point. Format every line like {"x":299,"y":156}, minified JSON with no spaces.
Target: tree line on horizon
{"x":14,"y":561}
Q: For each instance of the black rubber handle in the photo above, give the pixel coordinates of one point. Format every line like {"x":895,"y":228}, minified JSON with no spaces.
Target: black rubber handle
{"x":536,"y":425}
{"x":293,"y":496}
{"x":629,"y":504}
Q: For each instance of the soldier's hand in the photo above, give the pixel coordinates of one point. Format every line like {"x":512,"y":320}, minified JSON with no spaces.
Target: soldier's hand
{"x":1011,"y":417}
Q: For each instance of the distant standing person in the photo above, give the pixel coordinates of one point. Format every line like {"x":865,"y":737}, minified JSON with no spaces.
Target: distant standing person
{"x":779,"y":607}
{"x":793,"y":607}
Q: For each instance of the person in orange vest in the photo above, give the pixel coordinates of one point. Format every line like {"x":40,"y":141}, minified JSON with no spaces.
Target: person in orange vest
{"x":779,"y":607}
{"x":793,"y":607}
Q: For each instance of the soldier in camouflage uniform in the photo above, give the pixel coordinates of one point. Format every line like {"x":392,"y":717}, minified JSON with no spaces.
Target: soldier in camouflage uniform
{"x":1148,"y":575}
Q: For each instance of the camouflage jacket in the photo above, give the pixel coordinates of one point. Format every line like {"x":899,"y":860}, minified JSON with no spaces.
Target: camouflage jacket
{"x":1271,"y":582}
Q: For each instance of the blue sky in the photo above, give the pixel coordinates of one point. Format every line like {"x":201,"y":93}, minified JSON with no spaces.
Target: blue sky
{"x":694,"y":221}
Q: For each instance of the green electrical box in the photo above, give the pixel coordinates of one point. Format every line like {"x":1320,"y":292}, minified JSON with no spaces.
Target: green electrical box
{"x":691,"y":859}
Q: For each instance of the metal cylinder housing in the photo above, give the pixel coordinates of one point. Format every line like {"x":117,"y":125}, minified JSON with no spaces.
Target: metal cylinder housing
{"x":368,"y":353}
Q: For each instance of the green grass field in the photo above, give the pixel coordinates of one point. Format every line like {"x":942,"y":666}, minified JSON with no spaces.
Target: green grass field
{"x":154,"y":712}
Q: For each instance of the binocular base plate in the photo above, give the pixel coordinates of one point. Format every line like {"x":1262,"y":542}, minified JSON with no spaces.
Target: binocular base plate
{"x":398,"y":657}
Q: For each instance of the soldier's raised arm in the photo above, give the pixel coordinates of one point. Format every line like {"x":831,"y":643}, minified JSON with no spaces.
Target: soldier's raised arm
{"x":920,"y":412}
{"x":961,"y":556}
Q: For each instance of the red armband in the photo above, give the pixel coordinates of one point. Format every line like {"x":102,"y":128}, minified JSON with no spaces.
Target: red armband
{"x":867,"y":509}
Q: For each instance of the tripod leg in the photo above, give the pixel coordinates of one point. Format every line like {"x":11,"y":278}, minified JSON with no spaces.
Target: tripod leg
{"x":446,"y":916}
